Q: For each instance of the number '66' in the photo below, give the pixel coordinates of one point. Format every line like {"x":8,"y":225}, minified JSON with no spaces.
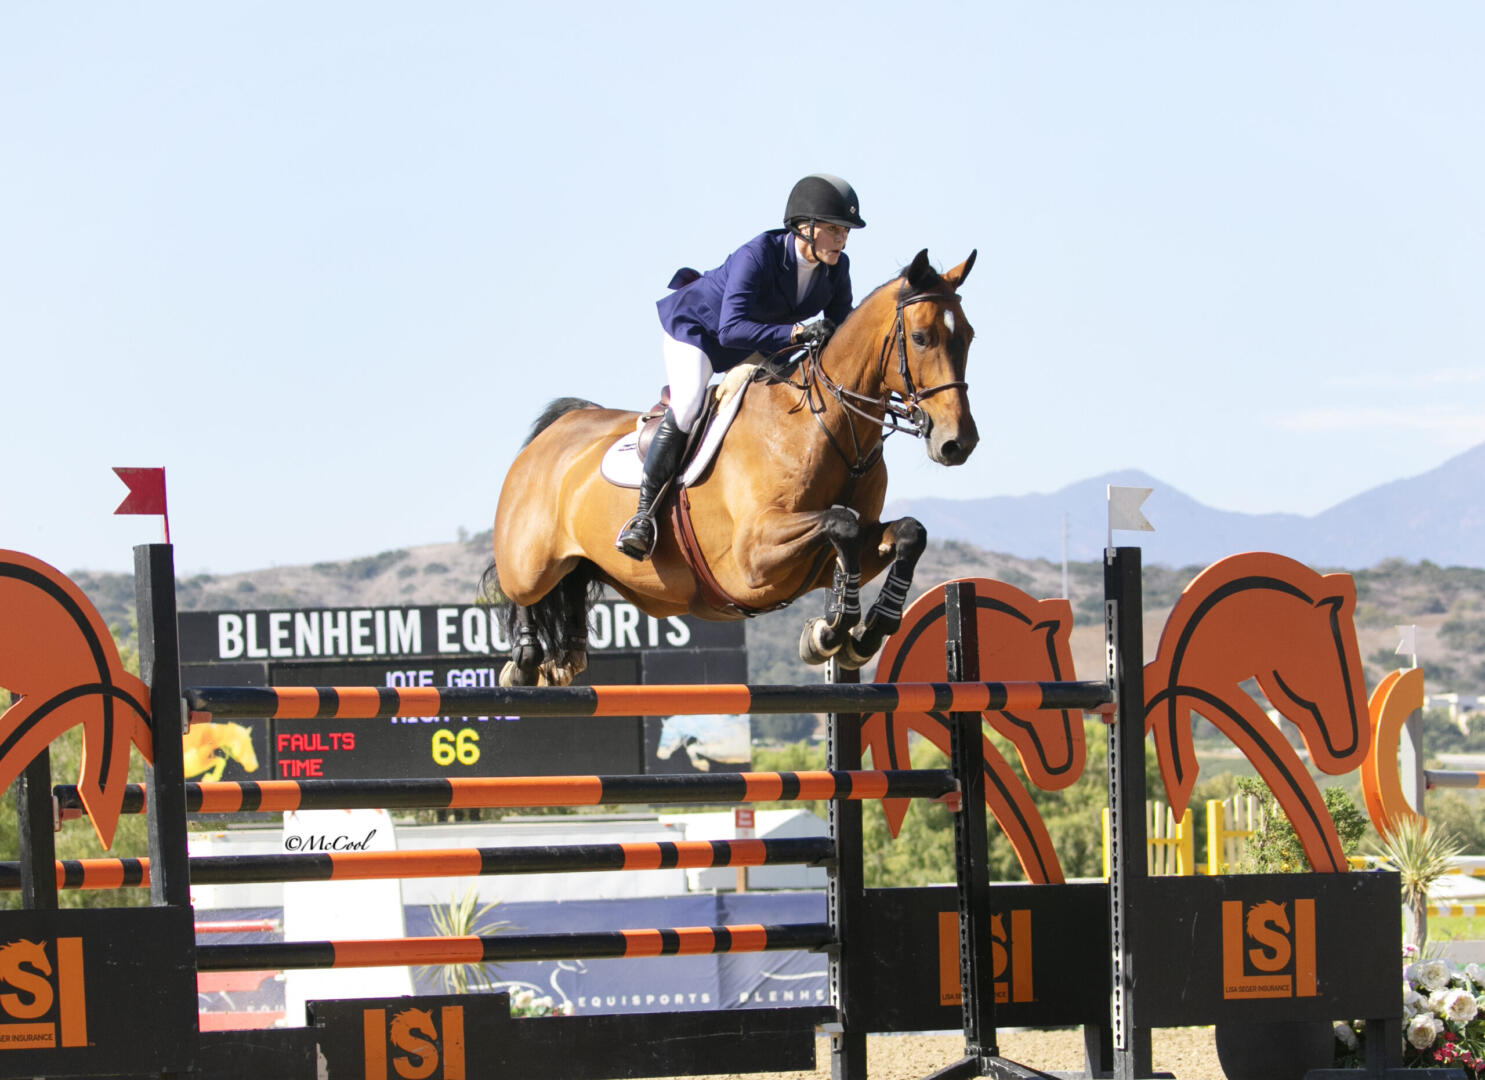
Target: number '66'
{"x":449,"y":748}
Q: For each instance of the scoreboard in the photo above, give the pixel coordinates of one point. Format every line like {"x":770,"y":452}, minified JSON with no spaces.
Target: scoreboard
{"x":452,"y":645}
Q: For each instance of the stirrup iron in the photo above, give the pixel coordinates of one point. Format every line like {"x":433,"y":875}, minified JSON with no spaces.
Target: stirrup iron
{"x":634,"y":530}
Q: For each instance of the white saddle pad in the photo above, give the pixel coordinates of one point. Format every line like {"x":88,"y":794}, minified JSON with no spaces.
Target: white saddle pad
{"x":621,"y":465}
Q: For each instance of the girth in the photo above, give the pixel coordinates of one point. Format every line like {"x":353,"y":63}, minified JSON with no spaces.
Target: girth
{"x":716,"y":597}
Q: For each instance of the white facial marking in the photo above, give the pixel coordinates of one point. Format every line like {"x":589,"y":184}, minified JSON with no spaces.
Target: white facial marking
{"x":949,"y":320}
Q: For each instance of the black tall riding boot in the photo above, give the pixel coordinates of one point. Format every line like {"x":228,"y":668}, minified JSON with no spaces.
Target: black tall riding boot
{"x":637,"y":538}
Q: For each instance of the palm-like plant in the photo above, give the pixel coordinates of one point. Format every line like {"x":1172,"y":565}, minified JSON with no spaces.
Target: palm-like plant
{"x":461,"y":918}
{"x":1421,"y":854}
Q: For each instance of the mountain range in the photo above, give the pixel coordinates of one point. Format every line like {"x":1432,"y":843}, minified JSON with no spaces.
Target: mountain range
{"x":1438,"y":516}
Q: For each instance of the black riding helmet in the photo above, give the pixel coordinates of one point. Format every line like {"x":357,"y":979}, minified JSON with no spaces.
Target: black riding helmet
{"x":822,"y":197}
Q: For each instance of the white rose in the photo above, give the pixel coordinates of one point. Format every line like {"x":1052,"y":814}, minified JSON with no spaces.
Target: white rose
{"x":1460,"y":1006}
{"x":1413,"y":1004}
{"x":1436,"y":1001}
{"x":1475,"y":974}
{"x":1422,"y":1031}
{"x":1431,"y":974}
{"x":546,"y":1003}
{"x":1346,"y":1036}
{"x":522,"y":998}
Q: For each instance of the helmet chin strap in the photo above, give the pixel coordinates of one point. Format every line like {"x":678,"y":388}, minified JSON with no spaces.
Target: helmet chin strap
{"x":810,"y":239}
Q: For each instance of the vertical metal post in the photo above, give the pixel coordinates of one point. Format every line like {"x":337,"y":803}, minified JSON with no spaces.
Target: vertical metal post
{"x":159,"y":667}
{"x":1410,"y":763}
{"x":971,"y":833}
{"x":1124,"y":635}
{"x":1383,"y":1047}
{"x":35,"y":823}
{"x":846,"y":889}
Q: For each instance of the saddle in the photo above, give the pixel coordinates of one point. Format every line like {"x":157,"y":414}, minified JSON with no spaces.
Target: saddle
{"x":623,"y":465}
{"x":623,"y":462}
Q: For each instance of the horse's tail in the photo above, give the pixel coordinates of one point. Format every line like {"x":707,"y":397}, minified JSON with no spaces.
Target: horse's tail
{"x":562,"y":614}
{"x":560,"y":617}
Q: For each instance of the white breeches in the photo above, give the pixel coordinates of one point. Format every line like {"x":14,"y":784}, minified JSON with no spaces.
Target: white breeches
{"x":689,"y":372}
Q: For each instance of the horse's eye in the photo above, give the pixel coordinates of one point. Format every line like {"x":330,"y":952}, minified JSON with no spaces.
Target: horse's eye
{"x":919,"y":338}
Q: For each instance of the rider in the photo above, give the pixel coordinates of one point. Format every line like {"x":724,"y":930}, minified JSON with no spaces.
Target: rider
{"x":749,"y":308}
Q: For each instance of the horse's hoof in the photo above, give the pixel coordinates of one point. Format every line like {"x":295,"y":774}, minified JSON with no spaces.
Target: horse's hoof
{"x":851,"y":657}
{"x":554,"y":674}
{"x":813,"y":648}
{"x":512,"y":675}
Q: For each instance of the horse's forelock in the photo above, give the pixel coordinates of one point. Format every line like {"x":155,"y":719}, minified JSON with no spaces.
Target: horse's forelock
{"x":921,"y":276}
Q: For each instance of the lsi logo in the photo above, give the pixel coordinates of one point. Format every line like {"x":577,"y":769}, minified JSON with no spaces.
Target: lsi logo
{"x":1265,"y":953}
{"x":413,"y":1046}
{"x":1010,"y":956}
{"x":42,"y":1005}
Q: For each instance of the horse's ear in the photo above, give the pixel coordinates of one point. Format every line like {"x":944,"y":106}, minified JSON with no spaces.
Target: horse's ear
{"x":920,"y":273}
{"x":956,"y":276}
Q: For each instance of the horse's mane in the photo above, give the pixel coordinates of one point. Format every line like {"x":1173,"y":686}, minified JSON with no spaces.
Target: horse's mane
{"x":896,"y":281}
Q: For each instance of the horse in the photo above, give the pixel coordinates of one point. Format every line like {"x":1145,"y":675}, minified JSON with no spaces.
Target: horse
{"x":57,"y":656}
{"x":791,"y":503}
{"x":1021,"y":638}
{"x":1264,"y":616}
{"x":208,"y":747}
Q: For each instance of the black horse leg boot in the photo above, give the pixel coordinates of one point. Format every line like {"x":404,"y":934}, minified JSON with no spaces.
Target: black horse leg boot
{"x":637,"y":538}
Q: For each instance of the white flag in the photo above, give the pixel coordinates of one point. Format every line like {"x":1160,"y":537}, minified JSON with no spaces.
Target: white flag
{"x":1124,"y":509}
{"x":1409,"y":643}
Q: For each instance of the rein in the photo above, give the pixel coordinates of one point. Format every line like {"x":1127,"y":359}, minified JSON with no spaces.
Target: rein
{"x":894,"y":410}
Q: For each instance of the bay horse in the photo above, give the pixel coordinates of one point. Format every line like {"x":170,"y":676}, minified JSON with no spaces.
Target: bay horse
{"x":791,"y":503}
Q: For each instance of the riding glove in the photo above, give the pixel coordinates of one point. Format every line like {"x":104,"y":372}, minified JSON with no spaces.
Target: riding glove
{"x":815,"y":333}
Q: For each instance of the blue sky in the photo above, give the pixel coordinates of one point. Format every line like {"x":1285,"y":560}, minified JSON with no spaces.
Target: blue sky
{"x":325,"y":262}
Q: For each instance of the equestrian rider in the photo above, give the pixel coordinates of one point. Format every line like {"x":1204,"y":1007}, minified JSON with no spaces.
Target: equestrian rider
{"x":751,"y":307}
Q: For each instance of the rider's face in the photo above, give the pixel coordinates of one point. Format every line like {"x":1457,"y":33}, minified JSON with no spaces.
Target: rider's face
{"x":830,"y":241}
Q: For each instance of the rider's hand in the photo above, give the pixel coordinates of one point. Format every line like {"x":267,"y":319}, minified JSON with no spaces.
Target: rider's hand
{"x":815,"y":333}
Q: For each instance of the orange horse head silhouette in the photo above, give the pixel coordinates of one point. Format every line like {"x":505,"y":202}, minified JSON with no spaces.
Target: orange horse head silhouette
{"x":1020,"y":639}
{"x":413,"y":1033}
{"x":1272,"y":619}
{"x":58,"y":658}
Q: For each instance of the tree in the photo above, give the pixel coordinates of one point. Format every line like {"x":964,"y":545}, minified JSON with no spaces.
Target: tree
{"x":1274,"y":847}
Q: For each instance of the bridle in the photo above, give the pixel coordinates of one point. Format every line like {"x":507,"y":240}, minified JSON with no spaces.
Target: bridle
{"x":905,"y":410}
{"x":894,"y":411}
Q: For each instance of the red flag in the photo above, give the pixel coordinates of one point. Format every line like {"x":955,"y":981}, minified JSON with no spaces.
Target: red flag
{"x":146,"y":494}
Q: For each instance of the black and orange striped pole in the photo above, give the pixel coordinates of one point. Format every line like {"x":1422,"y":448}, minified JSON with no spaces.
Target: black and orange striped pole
{"x":282,"y":796}
{"x":505,"y":948}
{"x":375,"y":702}
{"x":446,"y":862}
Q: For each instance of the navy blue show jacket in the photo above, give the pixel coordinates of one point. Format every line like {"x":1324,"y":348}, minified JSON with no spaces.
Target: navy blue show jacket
{"x":746,"y":305}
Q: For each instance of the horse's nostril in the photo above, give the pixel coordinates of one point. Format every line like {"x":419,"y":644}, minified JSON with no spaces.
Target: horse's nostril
{"x":951,"y":452}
